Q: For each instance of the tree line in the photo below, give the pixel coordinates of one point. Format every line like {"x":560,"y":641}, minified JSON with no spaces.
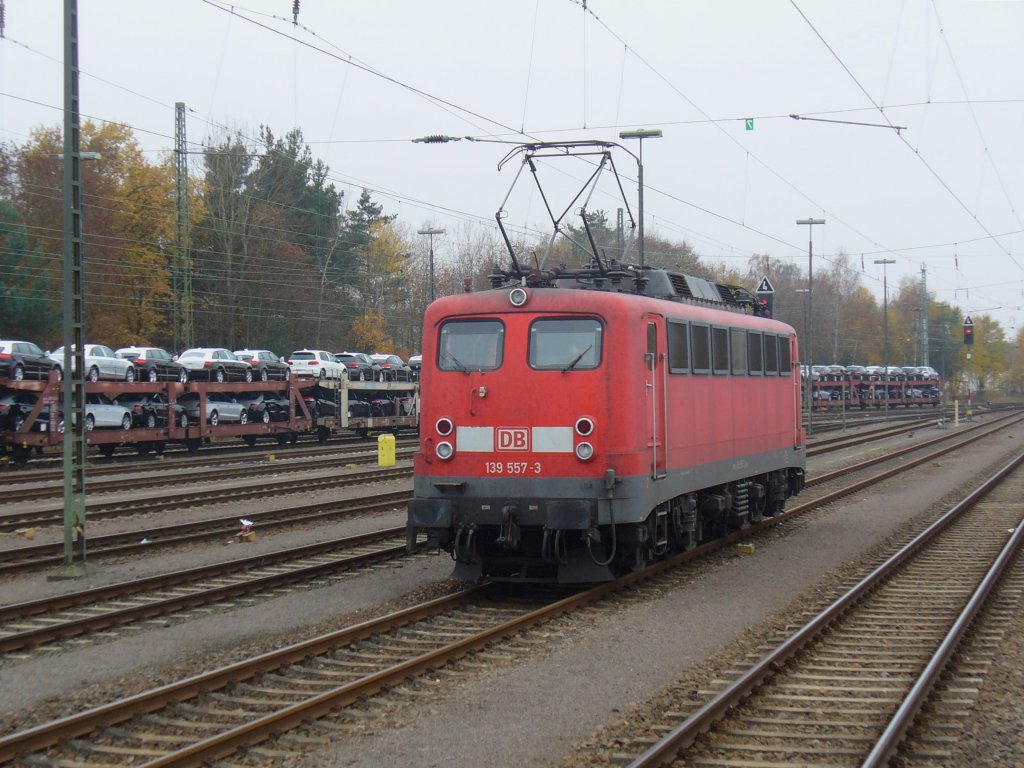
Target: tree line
{"x":279,"y":261}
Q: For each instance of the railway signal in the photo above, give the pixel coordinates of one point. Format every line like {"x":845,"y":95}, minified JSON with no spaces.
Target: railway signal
{"x":766,"y":296}
{"x":968,"y":331}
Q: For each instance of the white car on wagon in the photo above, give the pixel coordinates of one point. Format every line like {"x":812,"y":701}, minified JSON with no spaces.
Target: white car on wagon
{"x":100,"y":363}
{"x":316,"y":363}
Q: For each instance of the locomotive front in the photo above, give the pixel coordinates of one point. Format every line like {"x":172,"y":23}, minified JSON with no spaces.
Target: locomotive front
{"x":520,"y":391}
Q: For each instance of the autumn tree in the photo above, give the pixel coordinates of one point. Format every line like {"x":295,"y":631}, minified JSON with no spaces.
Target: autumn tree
{"x":127,"y":217}
{"x":269,"y":242}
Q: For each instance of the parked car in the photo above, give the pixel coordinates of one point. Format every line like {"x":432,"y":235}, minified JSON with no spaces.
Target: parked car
{"x":214,"y":364}
{"x":317,"y":363}
{"x":394,"y":367}
{"x":220,"y":408}
{"x":360,"y":367}
{"x":927,"y":372}
{"x":265,"y":406}
{"x":266,"y":366}
{"x":15,"y":406}
{"x":100,"y":363}
{"x":415,"y":363}
{"x":320,"y":401}
{"x":21,"y":360}
{"x":149,"y":409}
{"x":101,"y":413}
{"x":154,"y":364}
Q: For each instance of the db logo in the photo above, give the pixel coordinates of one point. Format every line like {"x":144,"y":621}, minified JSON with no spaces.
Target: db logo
{"x":513,"y":439}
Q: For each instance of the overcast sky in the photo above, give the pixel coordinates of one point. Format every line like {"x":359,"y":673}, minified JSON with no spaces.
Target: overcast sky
{"x":362,"y":79}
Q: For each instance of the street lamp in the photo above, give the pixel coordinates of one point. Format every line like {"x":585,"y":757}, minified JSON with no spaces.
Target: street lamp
{"x":885,"y":329}
{"x":430,"y":232}
{"x":809,"y":314}
{"x":641,"y":134}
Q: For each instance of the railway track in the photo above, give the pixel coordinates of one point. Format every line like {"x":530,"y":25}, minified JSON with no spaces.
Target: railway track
{"x":26,"y":627}
{"x":217,"y":529}
{"x":120,"y":482}
{"x":217,"y":714}
{"x":828,"y":692}
{"x":130,"y":466}
{"x":149,"y":503}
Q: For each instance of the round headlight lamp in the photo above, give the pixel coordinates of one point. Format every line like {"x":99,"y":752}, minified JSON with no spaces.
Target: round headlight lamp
{"x":518,"y":296}
{"x":444,"y":427}
{"x":584,"y":451}
{"x":444,"y":450}
{"x":584,"y":426}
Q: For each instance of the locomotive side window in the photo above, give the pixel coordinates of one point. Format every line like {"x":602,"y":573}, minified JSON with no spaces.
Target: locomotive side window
{"x":701,"y":347}
{"x":738,"y":350}
{"x":785,"y":359}
{"x":678,"y":347}
{"x":771,"y":355}
{"x":565,"y":344}
{"x":754,"y":353}
{"x":471,"y":345}
{"x":720,"y":349}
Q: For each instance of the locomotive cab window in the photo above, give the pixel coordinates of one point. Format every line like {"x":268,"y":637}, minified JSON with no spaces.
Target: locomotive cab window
{"x":738,"y":351}
{"x":471,"y":345}
{"x":701,"y":347}
{"x":720,"y":349}
{"x":785,"y":358}
{"x":755,"y":358}
{"x":771,"y":354}
{"x":565,"y":344}
{"x":678,"y":347}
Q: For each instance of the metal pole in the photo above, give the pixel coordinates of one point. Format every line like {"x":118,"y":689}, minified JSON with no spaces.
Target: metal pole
{"x":885,"y":329}
{"x":809,"y":223}
{"x":74,"y":355}
{"x":430,"y":232}
{"x":640,"y":135}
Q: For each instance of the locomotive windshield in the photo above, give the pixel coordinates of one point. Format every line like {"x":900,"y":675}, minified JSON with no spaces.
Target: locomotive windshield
{"x":471,"y":345}
{"x":565,"y":344}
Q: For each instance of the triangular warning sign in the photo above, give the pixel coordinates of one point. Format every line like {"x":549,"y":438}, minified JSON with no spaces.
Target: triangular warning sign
{"x":968,"y":321}
{"x":765,"y":286}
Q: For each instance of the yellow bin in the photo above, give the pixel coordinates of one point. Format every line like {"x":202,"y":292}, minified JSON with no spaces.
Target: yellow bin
{"x":386,"y":450}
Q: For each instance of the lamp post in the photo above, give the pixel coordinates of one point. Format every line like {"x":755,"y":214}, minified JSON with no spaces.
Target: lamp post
{"x":809,"y":223}
{"x":641,"y":134}
{"x":885,"y":329}
{"x":430,"y":232}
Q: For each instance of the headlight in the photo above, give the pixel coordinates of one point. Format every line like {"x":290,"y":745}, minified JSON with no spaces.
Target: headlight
{"x":584,"y":451}
{"x":445,"y":451}
{"x":444,"y":427}
{"x":518,"y":296}
{"x":584,"y":426}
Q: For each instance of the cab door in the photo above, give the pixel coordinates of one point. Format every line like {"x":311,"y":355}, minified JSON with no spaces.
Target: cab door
{"x":656,"y":389}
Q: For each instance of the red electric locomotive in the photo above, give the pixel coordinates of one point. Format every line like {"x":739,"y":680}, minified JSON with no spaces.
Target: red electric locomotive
{"x":576,"y":424}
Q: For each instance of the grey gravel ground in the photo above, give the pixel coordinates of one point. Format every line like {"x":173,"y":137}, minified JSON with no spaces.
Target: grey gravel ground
{"x":535,"y":711}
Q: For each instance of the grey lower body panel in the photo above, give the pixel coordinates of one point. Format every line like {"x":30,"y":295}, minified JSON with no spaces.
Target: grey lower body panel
{"x":575,"y":503}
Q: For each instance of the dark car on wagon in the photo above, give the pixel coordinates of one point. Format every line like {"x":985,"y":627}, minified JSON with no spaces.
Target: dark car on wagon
{"x":266,"y":366}
{"x":265,"y":406}
{"x":149,"y":409}
{"x":21,"y":360}
{"x":154,"y":364}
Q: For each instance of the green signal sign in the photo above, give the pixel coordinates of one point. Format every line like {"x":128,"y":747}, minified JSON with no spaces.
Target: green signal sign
{"x":750,"y":123}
